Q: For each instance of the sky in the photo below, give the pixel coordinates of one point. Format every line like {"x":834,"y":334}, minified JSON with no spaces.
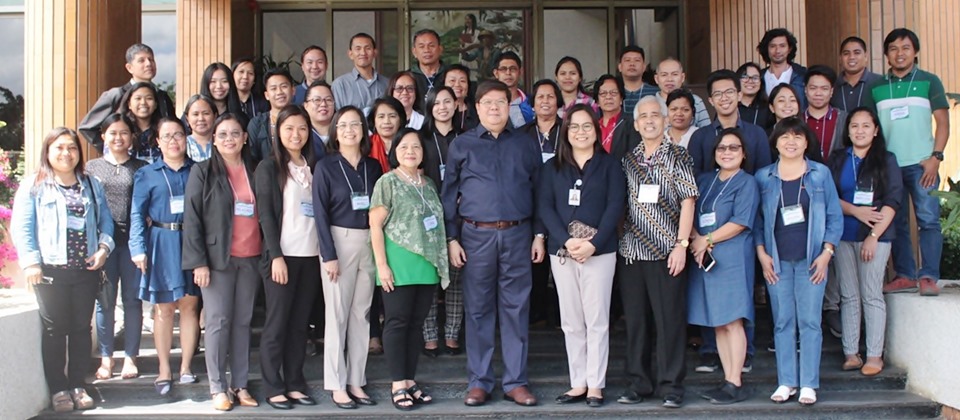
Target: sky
{"x":11,"y":31}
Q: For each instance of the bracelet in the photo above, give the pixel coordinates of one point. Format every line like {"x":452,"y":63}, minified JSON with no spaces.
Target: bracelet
{"x":830,"y":250}
{"x":710,"y":239}
{"x":104,"y":248}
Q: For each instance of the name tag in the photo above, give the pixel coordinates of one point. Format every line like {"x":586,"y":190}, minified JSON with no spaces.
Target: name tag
{"x":443,"y":169}
{"x":306,"y":207}
{"x":863,"y":198}
{"x":708,"y":219}
{"x":360,"y":201}
{"x":430,"y":222}
{"x":648,"y":193}
{"x":546,"y":156}
{"x":900,"y":112}
{"x":176,"y":204}
{"x":573,"y":197}
{"x":243,"y":209}
{"x":76,"y":223}
{"x":792,"y":215}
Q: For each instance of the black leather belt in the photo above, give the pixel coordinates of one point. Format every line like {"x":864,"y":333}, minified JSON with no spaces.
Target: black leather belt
{"x":169,"y":226}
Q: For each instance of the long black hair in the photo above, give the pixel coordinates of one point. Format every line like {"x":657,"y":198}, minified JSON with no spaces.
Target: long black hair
{"x":761,"y":99}
{"x":429,"y":122}
{"x":576,"y":63}
{"x":233,"y":98}
{"x":333,"y":146}
{"x":124,"y":108}
{"x":281,"y":157}
{"x":875,"y":162}
{"x":564,"y":148}
{"x":217,"y":166}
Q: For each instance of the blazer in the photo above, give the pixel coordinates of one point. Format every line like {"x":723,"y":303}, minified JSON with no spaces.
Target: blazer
{"x":258,"y":134}
{"x":890,"y":195}
{"x":208,"y":219}
{"x":625,"y":137}
{"x":270,"y":211}
{"x":107,"y":104}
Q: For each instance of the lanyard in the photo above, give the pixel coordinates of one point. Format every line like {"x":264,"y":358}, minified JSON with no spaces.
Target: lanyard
{"x":890,"y":85}
{"x":859,"y":95}
{"x":348,"y":179}
{"x":608,"y":139}
{"x":853,"y":164}
{"x":233,"y":189}
{"x":169,"y":188}
{"x":545,"y":138}
{"x":799,"y":190}
{"x":418,"y":187}
{"x":713,"y":207}
{"x":822,"y":129}
{"x":437,"y":143}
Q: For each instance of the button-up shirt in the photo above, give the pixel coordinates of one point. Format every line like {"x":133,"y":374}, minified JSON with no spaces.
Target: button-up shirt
{"x":335,"y":181}
{"x":353,"y":89}
{"x":825,"y":128}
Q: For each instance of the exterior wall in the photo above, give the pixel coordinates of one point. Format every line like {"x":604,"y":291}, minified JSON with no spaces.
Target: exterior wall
{"x":204,"y":29}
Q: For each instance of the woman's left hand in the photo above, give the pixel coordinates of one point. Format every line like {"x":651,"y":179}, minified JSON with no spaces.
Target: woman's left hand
{"x":386,"y":278}
{"x":583,"y":251}
{"x":698,"y":247}
{"x":819,"y":268}
{"x":97,"y":260}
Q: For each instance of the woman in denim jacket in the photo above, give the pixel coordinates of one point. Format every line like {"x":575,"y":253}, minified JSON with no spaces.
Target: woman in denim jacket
{"x":63,"y":233}
{"x":796,"y":233}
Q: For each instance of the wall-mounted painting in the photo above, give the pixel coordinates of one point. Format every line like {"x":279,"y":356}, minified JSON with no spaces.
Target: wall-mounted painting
{"x":475,"y":38}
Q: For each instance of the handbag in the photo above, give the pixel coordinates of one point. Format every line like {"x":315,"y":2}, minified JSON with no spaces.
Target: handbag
{"x":107,"y":295}
{"x":579,"y":230}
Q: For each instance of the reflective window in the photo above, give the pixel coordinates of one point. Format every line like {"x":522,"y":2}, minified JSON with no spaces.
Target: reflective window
{"x":286,"y":34}
{"x":588,"y":43}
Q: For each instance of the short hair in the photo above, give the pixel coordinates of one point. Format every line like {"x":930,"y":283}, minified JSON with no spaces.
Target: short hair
{"x":769,"y":36}
{"x":392,"y":158}
{"x":426,"y":31}
{"x":630,"y":49}
{"x":333,"y":145}
{"x":603,"y":79}
{"x":116,"y":117}
{"x":722,"y":74}
{"x":545,"y":82}
{"x":316,"y":84}
{"x":856,"y":39}
{"x":820,"y":70}
{"x":277,"y":71}
{"x":681,"y":93}
{"x":488,"y":86}
{"x":796,"y":125}
{"x":745,"y":164}
{"x":391,"y":102}
{"x":137,"y":48}
{"x":201,"y":98}
{"x":900,"y":33}
{"x":303,"y":55}
{"x":509,"y":55}
{"x":649,"y":99}
{"x":362,"y":35}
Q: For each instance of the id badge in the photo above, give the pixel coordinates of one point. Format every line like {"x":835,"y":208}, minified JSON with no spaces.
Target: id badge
{"x":443,"y":170}
{"x":546,"y":156}
{"x":243,"y":209}
{"x":648,"y":193}
{"x":176,"y":204}
{"x":573,"y":197}
{"x":792,"y":215}
{"x":360,"y":201}
{"x":862,"y":198}
{"x":430,"y":222}
{"x":306,"y":207}
{"x":708,"y":219}
{"x":76,"y":223}
{"x":899,"y":112}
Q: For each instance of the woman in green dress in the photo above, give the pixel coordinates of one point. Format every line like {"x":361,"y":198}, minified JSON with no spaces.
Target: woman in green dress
{"x":409,"y":247}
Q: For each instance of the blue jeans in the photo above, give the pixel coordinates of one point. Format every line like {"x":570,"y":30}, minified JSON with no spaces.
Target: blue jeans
{"x":120,"y":270}
{"x":796,"y":304}
{"x":927,"y":209}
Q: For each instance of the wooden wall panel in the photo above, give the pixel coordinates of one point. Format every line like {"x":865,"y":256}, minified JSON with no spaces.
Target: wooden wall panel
{"x":737,"y":26}
{"x":203,"y":37}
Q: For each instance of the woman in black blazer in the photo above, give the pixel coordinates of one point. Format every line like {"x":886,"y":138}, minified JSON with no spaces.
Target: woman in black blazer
{"x":290,"y":262}
{"x":222,"y":244}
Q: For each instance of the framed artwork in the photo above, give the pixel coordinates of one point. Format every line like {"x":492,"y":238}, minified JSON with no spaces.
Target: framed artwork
{"x":475,"y":38}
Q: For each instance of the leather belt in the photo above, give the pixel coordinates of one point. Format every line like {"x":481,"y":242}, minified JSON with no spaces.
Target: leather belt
{"x":169,"y":226}
{"x":498,"y":225}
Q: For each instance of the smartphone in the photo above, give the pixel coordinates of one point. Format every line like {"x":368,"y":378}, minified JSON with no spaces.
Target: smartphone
{"x":46,"y":280}
{"x":708,"y":261}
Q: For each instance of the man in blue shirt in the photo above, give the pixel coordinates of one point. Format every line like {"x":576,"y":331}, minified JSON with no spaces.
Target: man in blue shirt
{"x":313,"y":62}
{"x":488,"y":206}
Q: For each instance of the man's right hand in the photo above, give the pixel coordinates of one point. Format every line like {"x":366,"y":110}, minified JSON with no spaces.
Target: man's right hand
{"x":457,"y":257}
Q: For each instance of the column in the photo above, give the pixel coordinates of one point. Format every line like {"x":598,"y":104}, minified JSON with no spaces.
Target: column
{"x":204,"y":36}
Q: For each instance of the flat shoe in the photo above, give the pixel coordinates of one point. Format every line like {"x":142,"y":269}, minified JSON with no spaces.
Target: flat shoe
{"x":853,"y":362}
{"x":783,"y":394}
{"x":431,"y":353}
{"x":280,"y":405}
{"x":594,"y":402}
{"x":871,"y":368}
{"x":306,"y":400}
{"x":361,"y":400}
{"x":568,"y":399}
{"x":162,"y":387}
{"x":221,"y":402}
{"x":349,"y":405}
{"x":808,"y":396}
{"x":188,"y":378}
{"x":453,"y":351}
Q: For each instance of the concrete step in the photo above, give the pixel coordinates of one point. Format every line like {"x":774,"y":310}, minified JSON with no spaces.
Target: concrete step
{"x":879,"y":404}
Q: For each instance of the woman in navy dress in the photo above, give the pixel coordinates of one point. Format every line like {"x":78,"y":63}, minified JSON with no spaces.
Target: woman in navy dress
{"x":723,"y":296}
{"x":158,"y":191}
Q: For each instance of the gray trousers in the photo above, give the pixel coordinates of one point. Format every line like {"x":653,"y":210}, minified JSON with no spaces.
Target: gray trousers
{"x":861,"y":283}
{"x":831,"y":295}
{"x":228,"y":307}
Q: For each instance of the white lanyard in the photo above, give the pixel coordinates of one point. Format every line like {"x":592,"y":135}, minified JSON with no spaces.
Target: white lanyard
{"x":348,"y":179}
{"x":169,"y":188}
{"x":545,"y":138}
{"x":246,"y":177}
{"x":437,"y":143}
{"x":713,"y":207}
{"x":418,"y":187}
{"x":799,"y":190}
{"x":609,"y":136}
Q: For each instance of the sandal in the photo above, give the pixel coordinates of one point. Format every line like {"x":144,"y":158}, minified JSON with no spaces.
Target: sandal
{"x":405,"y":397}
{"x":418,"y":395}
{"x":162,"y":386}
{"x":104,"y":372}
{"x":129,"y":370}
{"x":188,"y":378}
{"x":783,"y":394}
{"x":853,"y":362}
{"x":62,"y":402}
{"x":808,"y":396}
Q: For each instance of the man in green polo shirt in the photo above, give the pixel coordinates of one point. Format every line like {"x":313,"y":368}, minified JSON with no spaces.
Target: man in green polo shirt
{"x":905,"y":99}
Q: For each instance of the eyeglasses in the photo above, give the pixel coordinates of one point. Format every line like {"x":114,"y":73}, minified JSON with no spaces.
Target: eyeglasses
{"x":490,"y":102}
{"x":354,"y":125}
{"x":585,"y":127}
{"x":732,"y":92}
{"x":167,"y":138}
{"x":748,"y":78}
{"x":408,"y":89}
{"x":606,"y":93}
{"x":229,"y":135}
{"x":318,"y":101}
{"x":508,"y":69}
{"x":734,"y":148}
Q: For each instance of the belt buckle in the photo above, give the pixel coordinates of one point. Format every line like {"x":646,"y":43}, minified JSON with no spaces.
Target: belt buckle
{"x":502,"y":224}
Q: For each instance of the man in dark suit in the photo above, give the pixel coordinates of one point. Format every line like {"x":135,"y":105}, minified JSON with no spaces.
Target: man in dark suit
{"x":142,"y":68}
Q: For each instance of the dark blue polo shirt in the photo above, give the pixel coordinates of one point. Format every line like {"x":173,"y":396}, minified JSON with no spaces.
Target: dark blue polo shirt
{"x":334,"y":182}
{"x":703,"y":140}
{"x":490,"y":179}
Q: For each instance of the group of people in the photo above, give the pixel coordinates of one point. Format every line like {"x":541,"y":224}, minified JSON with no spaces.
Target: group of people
{"x":372,"y":197}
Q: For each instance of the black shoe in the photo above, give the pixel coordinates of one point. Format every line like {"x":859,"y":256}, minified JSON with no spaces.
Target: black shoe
{"x":280,"y":405}
{"x":729,"y":394}
{"x":672,"y":401}
{"x":834,"y":325}
{"x":567,"y":398}
{"x":772,"y":347}
{"x":747,"y":364}
{"x":712,"y":393}
{"x":306,"y":400}
{"x":431,"y":353}
{"x":453,"y":351}
{"x":709,"y":363}
{"x":594,"y":402}
{"x":361,"y":400}
{"x":630,"y":397}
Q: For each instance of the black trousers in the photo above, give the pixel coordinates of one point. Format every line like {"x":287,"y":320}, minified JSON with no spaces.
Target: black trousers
{"x":376,"y":310}
{"x":404,"y":310}
{"x":544,"y":302}
{"x":284,"y":340}
{"x":66,"y":308}
{"x":654,"y":304}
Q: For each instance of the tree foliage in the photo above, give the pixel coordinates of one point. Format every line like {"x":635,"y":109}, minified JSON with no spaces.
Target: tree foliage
{"x":11,"y":112}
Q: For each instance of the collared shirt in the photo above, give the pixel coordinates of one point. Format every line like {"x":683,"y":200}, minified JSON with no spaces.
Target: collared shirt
{"x":703,"y":140}
{"x":631,"y":97}
{"x":335,"y":182}
{"x":352,"y":89}
{"x":582,"y":98}
{"x":516,"y":114}
{"x":847,"y":97}
{"x":154,"y":187}
{"x":490,"y":179}
{"x":824,"y":127}
{"x":771,"y":81}
{"x":606,"y":130}
{"x":196,"y":152}
{"x":651,"y":229}
{"x":701,"y":117}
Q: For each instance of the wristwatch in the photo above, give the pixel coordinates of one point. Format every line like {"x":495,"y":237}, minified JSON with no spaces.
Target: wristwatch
{"x":683,"y":242}
{"x":874,"y":234}
{"x":541,"y":236}
{"x":937,"y":155}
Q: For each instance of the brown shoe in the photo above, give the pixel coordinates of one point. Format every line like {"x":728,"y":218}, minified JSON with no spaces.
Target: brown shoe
{"x":81,"y":400}
{"x":873,"y":366}
{"x":62,"y":402}
{"x":245,"y":399}
{"x":476,"y":397}
{"x":928,"y":287}
{"x":521,"y":395}
{"x":221,"y":402}
{"x":853,"y":362}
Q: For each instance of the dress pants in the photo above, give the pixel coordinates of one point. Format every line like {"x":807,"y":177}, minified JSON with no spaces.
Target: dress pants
{"x":124,"y":274}
{"x":453,"y":308}
{"x":584,"y":292}
{"x":347,"y":330}
{"x":654,"y":304}
{"x":284,"y":340}
{"x":404,"y":310}
{"x":496,"y":282}
{"x":797,"y":304}
{"x":861,"y":283}
{"x":228,"y":307}
{"x":831,"y":295}
{"x":65,"y":308}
